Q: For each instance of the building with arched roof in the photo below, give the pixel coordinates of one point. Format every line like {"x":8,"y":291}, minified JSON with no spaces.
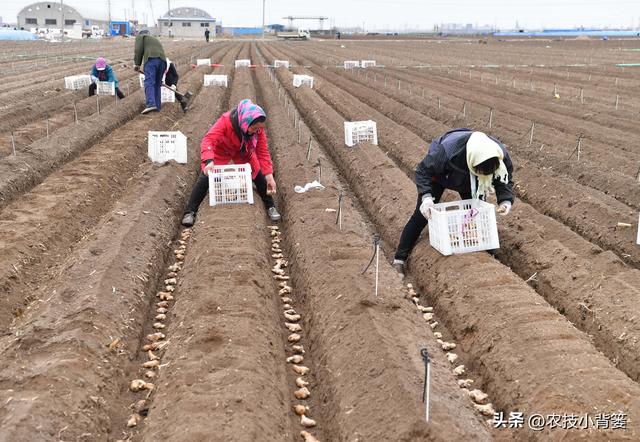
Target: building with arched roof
{"x":186,"y":22}
{"x":57,"y":16}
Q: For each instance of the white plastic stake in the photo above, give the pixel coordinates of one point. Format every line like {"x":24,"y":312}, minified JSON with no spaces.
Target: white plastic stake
{"x":617,"y":99}
{"x":581,"y":96}
{"x":490,"y":117}
{"x":75,"y":112}
{"x":309,"y":149}
{"x":13,"y":144}
{"x":533,"y":126}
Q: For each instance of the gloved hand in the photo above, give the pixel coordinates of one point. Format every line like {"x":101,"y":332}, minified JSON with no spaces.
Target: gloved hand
{"x":426,"y":206}
{"x":136,"y":68}
{"x":504,"y":208}
{"x":94,"y":79}
{"x":208,"y":168}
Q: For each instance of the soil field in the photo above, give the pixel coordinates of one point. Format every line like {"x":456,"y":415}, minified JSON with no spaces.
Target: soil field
{"x":120,"y":325}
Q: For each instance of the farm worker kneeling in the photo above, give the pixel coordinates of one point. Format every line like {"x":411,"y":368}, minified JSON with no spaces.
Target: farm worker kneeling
{"x":101,"y":71}
{"x":453,"y":160}
{"x":237,"y":137}
{"x":149,"y":51}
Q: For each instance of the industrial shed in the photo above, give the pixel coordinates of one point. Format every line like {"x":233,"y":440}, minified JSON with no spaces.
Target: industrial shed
{"x":186,"y":22}
{"x":55,"y":16}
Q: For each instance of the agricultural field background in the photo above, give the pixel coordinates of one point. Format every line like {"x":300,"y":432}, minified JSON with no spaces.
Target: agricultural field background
{"x":233,"y":325}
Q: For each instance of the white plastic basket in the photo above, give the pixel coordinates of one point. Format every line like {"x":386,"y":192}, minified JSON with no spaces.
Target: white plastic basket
{"x":106,"y":88}
{"x":360,"y":131}
{"x":203,"y":62}
{"x":165,"y":146}
{"x":166,"y":96}
{"x":350,"y":64}
{"x":230,"y":184}
{"x":76,"y":82}
{"x":281,"y":63}
{"x":368,"y":64}
{"x":216,"y":80}
{"x":463,"y":226}
{"x":243,"y":63}
{"x":301,"y":80}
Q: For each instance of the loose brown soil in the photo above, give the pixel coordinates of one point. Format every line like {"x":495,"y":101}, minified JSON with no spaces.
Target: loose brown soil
{"x":88,"y":229}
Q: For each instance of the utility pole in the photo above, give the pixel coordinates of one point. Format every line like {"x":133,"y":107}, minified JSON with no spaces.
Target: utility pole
{"x":263,"y":1}
{"x":109,"y":23}
{"x":62,"y":19}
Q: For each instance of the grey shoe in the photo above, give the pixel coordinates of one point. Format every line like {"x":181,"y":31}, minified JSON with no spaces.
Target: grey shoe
{"x":189,"y":219}
{"x":149,"y":109}
{"x":398,"y":264}
{"x":274,"y":215}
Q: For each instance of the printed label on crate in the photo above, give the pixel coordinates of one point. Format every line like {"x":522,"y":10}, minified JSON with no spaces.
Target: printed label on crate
{"x":166,"y":146}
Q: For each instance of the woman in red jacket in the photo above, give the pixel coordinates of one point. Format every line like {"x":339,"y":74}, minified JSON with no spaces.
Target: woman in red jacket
{"x":237,"y":137}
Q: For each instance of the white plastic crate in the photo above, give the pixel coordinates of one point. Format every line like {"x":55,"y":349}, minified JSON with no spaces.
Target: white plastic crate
{"x":360,"y":131}
{"x":216,"y":80}
{"x":301,"y":80}
{"x":350,"y":64}
{"x":166,"y":96}
{"x":463,"y":226}
{"x":106,"y":88}
{"x":165,"y":146}
{"x":243,"y":63}
{"x":203,"y":62}
{"x":368,"y":63}
{"x":230,"y":184}
{"x":281,"y":63}
{"x":76,"y":82}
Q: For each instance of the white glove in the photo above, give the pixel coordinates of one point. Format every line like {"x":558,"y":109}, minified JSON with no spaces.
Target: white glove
{"x":426,"y":206}
{"x":94,"y":79}
{"x":504,"y":208}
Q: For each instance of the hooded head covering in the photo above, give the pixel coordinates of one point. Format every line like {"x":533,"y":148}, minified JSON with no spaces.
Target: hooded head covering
{"x":479,"y":149}
{"x":247,"y":112}
{"x":101,"y":64}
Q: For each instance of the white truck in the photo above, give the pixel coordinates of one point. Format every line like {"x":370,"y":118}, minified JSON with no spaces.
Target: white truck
{"x":300,"y":34}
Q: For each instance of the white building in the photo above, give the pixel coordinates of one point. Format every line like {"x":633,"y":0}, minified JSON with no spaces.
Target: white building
{"x":53,"y":15}
{"x":186,"y":22}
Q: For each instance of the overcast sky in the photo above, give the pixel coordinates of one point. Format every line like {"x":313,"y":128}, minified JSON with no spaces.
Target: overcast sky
{"x":381,"y":14}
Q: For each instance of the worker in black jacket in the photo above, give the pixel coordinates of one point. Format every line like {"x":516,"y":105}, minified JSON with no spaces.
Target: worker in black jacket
{"x":469,"y":162}
{"x":171,"y":79}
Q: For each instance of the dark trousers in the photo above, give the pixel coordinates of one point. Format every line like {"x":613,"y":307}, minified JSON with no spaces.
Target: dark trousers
{"x":153,"y":71}
{"x":93,"y":87}
{"x":202,"y":187}
{"x":418,"y":222}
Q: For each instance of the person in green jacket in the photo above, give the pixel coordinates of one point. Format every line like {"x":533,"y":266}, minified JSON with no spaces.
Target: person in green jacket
{"x":149,"y":52}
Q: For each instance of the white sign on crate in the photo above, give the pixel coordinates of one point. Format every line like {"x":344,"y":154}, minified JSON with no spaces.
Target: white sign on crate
{"x":216,"y":80}
{"x":106,"y":88}
{"x":76,"y":82}
{"x":281,"y":63}
{"x":203,"y":62}
{"x":463,"y":226}
{"x":360,"y":131}
{"x":368,"y":63}
{"x":350,"y":64}
{"x":243,"y":63}
{"x":165,"y":146}
{"x":301,"y":80}
{"x":230,"y":184}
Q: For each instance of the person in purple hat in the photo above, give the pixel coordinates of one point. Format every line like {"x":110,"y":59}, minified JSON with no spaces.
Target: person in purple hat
{"x":101,"y":71}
